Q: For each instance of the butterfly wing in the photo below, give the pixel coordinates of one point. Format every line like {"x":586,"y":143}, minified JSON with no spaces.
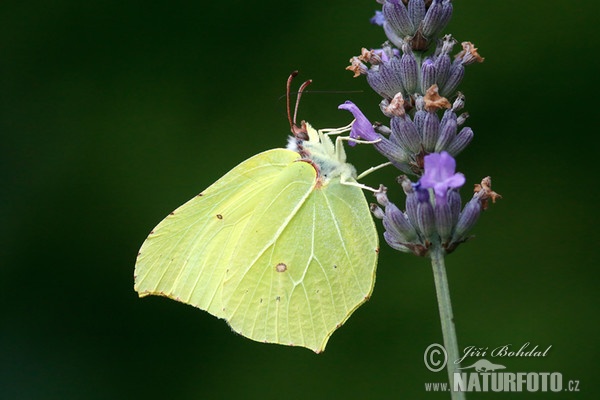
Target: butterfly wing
{"x":186,"y":256}
{"x":279,"y":257}
{"x":310,"y":275}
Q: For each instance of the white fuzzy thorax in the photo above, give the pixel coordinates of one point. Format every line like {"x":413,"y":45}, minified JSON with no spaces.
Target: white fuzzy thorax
{"x":330,"y":158}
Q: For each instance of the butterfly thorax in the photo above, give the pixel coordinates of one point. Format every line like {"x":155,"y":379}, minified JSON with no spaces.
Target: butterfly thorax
{"x":328,"y":159}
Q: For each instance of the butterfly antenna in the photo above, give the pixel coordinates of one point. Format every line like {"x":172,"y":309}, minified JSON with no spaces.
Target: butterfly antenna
{"x":300,"y":91}
{"x":298,"y":131}
{"x":287,"y":97}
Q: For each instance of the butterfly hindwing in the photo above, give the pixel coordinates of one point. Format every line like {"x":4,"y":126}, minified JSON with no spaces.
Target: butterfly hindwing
{"x":312,"y":271}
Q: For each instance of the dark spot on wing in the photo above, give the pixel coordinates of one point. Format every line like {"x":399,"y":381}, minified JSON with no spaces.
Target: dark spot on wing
{"x":173,"y":213}
{"x":278,"y":298}
{"x":281,"y":267}
{"x":219,"y":216}
{"x":334,"y":266}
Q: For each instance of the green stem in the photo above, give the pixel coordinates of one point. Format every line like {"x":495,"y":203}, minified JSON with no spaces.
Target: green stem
{"x":446,"y":317}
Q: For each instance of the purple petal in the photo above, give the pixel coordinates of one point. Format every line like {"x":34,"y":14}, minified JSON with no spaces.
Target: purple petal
{"x":362,"y":127}
{"x":455,"y":181}
{"x":378,"y":18}
{"x":382,"y":54}
{"x":440,"y":175}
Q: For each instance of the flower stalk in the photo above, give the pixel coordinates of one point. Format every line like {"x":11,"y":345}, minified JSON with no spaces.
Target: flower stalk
{"x":442,"y":290}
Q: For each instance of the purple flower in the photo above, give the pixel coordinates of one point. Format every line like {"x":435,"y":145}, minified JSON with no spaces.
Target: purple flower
{"x":378,"y":18}
{"x":386,"y":53}
{"x":440,"y":175}
{"x":362,"y":127}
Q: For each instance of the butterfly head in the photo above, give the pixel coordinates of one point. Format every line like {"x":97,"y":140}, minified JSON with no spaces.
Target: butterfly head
{"x":314,"y":146}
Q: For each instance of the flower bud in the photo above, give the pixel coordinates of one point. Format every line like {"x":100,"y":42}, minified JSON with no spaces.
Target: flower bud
{"x":382,"y":129}
{"x":442,"y":66}
{"x":447,"y":133}
{"x":376,"y":211}
{"x":381,"y":195}
{"x":443,"y":221}
{"x":412,"y":201}
{"x":461,"y":141}
{"x":398,"y":222}
{"x":393,"y":108}
{"x":445,"y":16}
{"x":436,"y":18}
{"x":448,"y":115}
{"x":428,"y":74}
{"x":391,"y":241}
{"x":391,"y":74}
{"x":405,"y":133}
{"x":396,"y":15}
{"x":399,"y":233}
{"x":431,"y":125}
{"x":455,"y":203}
{"x":467,"y":219}
{"x":426,"y":220}
{"x":442,"y":60}
{"x":459,"y":103}
{"x":392,"y":35}
{"x":416,"y":11}
{"x":377,"y":83}
{"x":408,"y":69}
{"x":420,"y":114}
{"x":455,"y":76}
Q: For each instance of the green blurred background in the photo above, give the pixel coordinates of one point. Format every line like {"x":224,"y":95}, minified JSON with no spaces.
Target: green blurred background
{"x":114,"y":113}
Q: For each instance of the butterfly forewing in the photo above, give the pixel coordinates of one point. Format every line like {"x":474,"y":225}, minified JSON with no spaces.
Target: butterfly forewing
{"x":187,"y":255}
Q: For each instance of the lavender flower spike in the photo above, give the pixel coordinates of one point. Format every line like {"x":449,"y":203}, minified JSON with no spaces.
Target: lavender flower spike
{"x":440,"y":175}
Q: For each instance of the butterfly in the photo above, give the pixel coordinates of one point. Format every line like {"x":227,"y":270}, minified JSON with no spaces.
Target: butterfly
{"x":283,"y":247}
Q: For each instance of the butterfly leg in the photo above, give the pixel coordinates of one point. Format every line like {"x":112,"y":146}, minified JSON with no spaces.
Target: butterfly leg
{"x":345,"y":181}
{"x":339,"y":148}
{"x":373,"y":169}
{"x":336,"y":131}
